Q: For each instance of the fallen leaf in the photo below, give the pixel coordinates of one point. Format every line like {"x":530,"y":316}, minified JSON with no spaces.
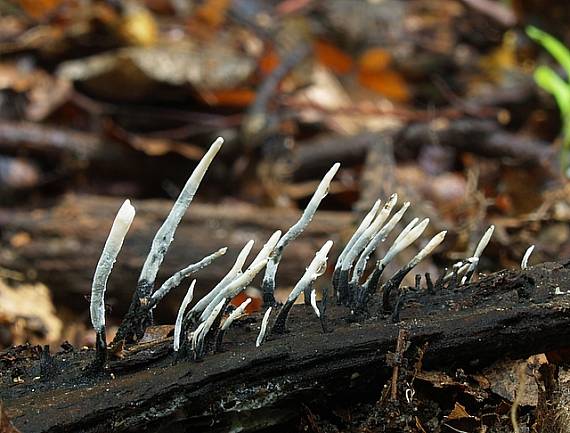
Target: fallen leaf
{"x":332,"y":57}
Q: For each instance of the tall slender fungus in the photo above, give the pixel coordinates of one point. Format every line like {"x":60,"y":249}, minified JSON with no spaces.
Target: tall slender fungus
{"x":262,"y":332}
{"x":139,"y":315}
{"x":235,"y":270}
{"x":396,"y":280}
{"x":314,"y":270}
{"x":479,"y":251}
{"x":322,"y":190}
{"x":165,"y":234}
{"x":113,"y":245}
{"x":380,"y":237}
{"x":524,"y":261}
{"x":178,"y":325}
{"x":366,"y":221}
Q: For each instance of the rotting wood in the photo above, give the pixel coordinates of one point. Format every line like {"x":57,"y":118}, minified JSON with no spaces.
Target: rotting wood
{"x":507,"y":314}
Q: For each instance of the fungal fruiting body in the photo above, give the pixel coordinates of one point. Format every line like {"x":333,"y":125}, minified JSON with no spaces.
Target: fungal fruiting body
{"x":177,"y":278}
{"x":261,"y":336}
{"x":378,"y":238}
{"x":396,"y":280}
{"x":178,"y":325}
{"x":321,"y":192}
{"x":204,"y":324}
{"x":139,"y":315}
{"x":165,"y":234}
{"x":314,"y":270}
{"x":113,"y":245}
{"x":235,"y":271}
{"x":524,"y":261}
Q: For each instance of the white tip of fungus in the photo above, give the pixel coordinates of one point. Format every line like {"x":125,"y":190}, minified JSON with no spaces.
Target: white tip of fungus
{"x":404,"y":241}
{"x":113,"y":245}
{"x":428,"y":249}
{"x":524,"y":261}
{"x":314,"y":303}
{"x":484,"y":241}
{"x":263,"y":330}
{"x":366,"y":221}
{"x":178,"y":325}
{"x":165,"y":234}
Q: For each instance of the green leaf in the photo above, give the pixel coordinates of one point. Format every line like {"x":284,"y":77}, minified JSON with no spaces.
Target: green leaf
{"x":552,"y":45}
{"x":550,"y":81}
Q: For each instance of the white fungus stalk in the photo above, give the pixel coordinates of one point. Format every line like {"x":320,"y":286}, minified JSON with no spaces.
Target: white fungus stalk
{"x":235,"y":270}
{"x":524,"y":261}
{"x":402,"y":242}
{"x":113,"y":245}
{"x":427,"y":250}
{"x":263,"y":330}
{"x":237,"y":313}
{"x":314,"y":270}
{"x":314,"y":303}
{"x":395,"y":281}
{"x":366,"y":221}
{"x":406,"y":230}
{"x":368,"y":234}
{"x":377,"y":240}
{"x":481,"y":247}
{"x":178,"y":324}
{"x":268,"y":248}
{"x":165,"y":234}
{"x":235,"y":287}
{"x":176,"y":279}
{"x":196,"y":335}
{"x":320,"y":193}
{"x":208,"y":324}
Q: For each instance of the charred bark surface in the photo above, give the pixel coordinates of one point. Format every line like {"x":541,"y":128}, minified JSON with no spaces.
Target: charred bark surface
{"x":507,"y":314}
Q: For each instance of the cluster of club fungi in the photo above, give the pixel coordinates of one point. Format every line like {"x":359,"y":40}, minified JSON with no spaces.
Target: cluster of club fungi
{"x":201,"y":329}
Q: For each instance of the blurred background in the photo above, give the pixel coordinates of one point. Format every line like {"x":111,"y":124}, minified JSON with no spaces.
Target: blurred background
{"x":438,"y":100}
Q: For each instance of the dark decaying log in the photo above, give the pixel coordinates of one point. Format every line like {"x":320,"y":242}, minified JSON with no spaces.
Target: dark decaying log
{"x":507,"y":314}
{"x":65,"y":243}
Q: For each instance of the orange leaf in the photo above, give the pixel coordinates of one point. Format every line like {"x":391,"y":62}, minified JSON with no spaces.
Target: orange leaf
{"x":388,"y":83}
{"x":374,"y":60}
{"x":39,"y":9}
{"x":229,"y":98}
{"x":213,"y":12}
{"x":268,"y":61}
{"x":332,"y":57}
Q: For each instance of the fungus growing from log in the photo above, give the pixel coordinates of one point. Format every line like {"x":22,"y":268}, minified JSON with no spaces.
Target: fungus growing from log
{"x":268,"y":285}
{"x":178,"y":325}
{"x":177,"y":278}
{"x":235,"y":271}
{"x":380,"y":237}
{"x":139,"y":315}
{"x":314,"y":270}
{"x":524,"y":261}
{"x":314,"y":303}
{"x":237,"y":313}
{"x":366,"y":221}
{"x":113,"y":245}
{"x":262,"y":332}
{"x":360,"y":245}
{"x":396,"y":280}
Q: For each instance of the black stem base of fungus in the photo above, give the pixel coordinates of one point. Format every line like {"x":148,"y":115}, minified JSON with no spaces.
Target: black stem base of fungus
{"x":463,"y":328}
{"x":100,"y":350}
{"x":268,"y":289}
{"x":280,"y":324}
{"x":137,"y":319}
